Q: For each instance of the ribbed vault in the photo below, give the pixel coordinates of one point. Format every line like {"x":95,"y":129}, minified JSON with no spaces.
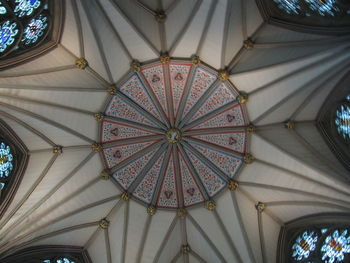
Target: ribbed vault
{"x":51,"y":103}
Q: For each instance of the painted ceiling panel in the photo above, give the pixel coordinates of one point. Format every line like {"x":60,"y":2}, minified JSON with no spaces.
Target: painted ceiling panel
{"x":204,"y":146}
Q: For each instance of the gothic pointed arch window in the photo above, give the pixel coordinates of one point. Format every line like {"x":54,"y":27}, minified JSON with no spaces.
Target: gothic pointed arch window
{"x":314,"y":16}
{"x":13,"y":161}
{"x":319,"y":239}
{"x":342,"y":119}
{"x":333,"y":121}
{"x":28,"y":28}
{"x":49,"y":254}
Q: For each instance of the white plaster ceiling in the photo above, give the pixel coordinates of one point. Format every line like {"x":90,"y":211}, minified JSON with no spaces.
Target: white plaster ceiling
{"x":50,"y":102}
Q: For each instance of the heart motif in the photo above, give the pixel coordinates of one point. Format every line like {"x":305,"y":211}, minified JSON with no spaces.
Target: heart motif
{"x":117,"y":154}
{"x":230,"y":118}
{"x":191,"y":191}
{"x":168,"y":194}
{"x":232,"y":141}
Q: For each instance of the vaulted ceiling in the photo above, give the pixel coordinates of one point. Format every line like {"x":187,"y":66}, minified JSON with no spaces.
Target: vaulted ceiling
{"x":51,"y":102}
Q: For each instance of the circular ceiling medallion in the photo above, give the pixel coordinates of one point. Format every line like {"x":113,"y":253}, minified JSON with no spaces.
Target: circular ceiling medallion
{"x":174,"y":134}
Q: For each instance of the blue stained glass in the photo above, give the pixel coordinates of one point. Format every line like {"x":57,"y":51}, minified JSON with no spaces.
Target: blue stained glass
{"x":2,"y":9}
{"x":64,"y":260}
{"x":289,"y":6}
{"x":2,"y":186}
{"x":60,"y":260}
{"x":304,"y":244}
{"x":8,"y":32}
{"x":26,"y":7}
{"x":324,"y":230}
{"x":335,"y":247}
{"x":343,"y":121}
{"x":6,"y":159}
{"x":34,"y":30}
{"x":323,"y":7}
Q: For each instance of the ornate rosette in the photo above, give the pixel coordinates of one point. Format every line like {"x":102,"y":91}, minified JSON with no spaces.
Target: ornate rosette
{"x":174,"y":134}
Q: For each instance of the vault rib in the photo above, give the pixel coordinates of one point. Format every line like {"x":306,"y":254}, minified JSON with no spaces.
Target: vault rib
{"x":183,"y":30}
{"x":136,"y":29}
{"x":28,"y":127}
{"x":79,"y":28}
{"x":206,"y":237}
{"x":30,"y":191}
{"x":47,"y":211}
{"x":98,"y":41}
{"x":60,"y":218}
{"x":165,"y":239}
{"x":48,"y":121}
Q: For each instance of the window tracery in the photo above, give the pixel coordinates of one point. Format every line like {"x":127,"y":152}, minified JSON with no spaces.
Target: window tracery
{"x":323,"y":238}
{"x":342,"y":119}
{"x":59,"y":260}
{"x":28,"y":28}
{"x":24,"y":23}
{"x":315,"y":16}
{"x":322,"y":245}
{"x":13,"y":161}
{"x":49,"y":254}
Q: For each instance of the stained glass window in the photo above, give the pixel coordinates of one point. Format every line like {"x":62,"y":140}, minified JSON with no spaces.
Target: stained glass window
{"x":304,"y":244}
{"x":342,"y":119}
{"x":23,"y":25}
{"x":60,"y":260}
{"x":289,"y":6}
{"x":321,"y":245}
{"x":312,"y":7}
{"x":336,"y":246}
{"x":34,"y":30}
{"x":2,"y":9}
{"x":323,"y":7}
{"x":6,"y":160}
{"x":26,"y":7}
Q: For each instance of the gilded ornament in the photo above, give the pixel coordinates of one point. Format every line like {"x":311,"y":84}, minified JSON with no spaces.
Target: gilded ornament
{"x":81,"y":63}
{"x":181,"y":212}
{"x":164,"y":59}
{"x":125,"y":196}
{"x":224,"y":75}
{"x":173,"y":135}
{"x":136,"y":66}
{"x":289,"y":125}
{"x":98,"y":116}
{"x":248,"y":43}
{"x":104,"y":175}
{"x":96,"y":147}
{"x":248,"y":158}
{"x":260,"y":207}
{"x":195,"y":61}
{"x":112,"y":90}
{"x":185,"y":249}
{"x":251,"y":128}
{"x":242,"y":98}
{"x":57,"y":149}
{"x":233,"y":185}
{"x":160,"y":16}
{"x":104,"y":223}
{"x":210,"y":205}
{"x":151,"y":210}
